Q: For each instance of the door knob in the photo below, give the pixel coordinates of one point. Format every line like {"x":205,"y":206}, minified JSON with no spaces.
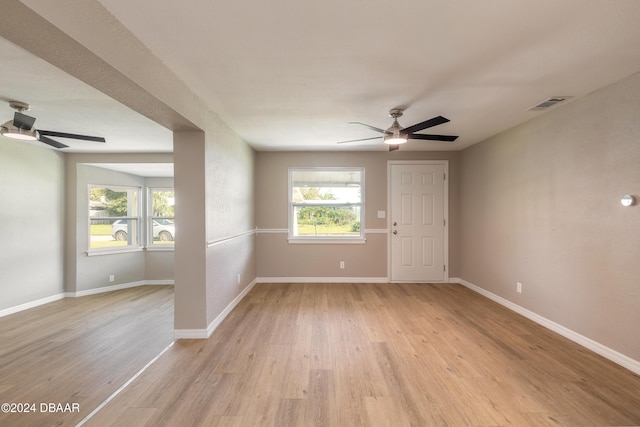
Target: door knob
{"x":395,"y":231}
{"x":395,"y":223}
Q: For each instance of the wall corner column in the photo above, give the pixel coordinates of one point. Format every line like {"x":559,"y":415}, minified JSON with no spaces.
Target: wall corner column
{"x":190,"y":245}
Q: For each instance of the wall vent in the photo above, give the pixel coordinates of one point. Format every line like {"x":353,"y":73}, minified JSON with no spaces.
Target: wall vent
{"x":550,"y":102}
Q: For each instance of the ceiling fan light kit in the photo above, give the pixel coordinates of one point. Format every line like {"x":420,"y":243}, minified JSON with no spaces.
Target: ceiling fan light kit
{"x":396,"y":135}
{"x":11,"y":131}
{"x":395,"y":139}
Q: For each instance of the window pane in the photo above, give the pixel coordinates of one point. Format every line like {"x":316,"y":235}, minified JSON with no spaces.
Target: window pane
{"x":163,"y":231}
{"x":106,"y":233}
{"x":162,"y":204}
{"x":311,"y":186}
{"x":326,"y":221}
{"x":162,"y":217}
{"x":113,"y":217}
{"x":113,"y":202}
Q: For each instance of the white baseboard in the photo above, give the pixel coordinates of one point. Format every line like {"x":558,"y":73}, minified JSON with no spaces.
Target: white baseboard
{"x":206,"y":333}
{"x":604,"y":351}
{"x":117,"y":287}
{"x":190,"y":334}
{"x":322,"y":280}
{"x":42,"y":301}
{"x":31,"y":304}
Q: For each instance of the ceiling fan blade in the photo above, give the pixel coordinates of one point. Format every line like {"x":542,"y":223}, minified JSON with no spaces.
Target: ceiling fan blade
{"x":370,"y":127}
{"x":445,"y":138}
{"x":426,"y":124}
{"x":356,"y":140}
{"x":393,"y":147}
{"x":51,"y":142}
{"x":23,"y":121}
{"x":71,"y":135}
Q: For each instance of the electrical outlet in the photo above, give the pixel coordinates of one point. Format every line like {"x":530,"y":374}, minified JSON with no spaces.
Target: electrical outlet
{"x":519,"y":287}
{"x":112,"y":278}
{"x":341,"y":264}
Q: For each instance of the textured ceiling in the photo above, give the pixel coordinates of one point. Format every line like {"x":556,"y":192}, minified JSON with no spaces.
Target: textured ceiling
{"x":289,"y":75}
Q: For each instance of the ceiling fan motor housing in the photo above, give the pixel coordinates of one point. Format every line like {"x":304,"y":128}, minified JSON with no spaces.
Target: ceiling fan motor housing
{"x":396,"y":112}
{"x":19,"y":106}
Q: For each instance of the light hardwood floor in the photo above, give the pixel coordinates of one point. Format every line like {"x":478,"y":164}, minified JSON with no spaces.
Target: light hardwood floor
{"x":376,"y":355}
{"x":79,"y":350}
{"x":339,"y":355}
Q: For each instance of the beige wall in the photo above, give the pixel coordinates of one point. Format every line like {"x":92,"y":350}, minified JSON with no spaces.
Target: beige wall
{"x":31,"y":223}
{"x":214,"y":209}
{"x":230,"y":251}
{"x":540,"y":204}
{"x":190,"y":208}
{"x":278,"y":259}
{"x":214,"y":213}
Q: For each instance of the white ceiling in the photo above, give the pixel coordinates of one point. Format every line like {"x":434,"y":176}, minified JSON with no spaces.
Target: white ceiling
{"x":288,"y":75}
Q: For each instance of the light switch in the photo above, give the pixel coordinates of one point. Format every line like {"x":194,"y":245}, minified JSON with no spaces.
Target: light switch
{"x":381,"y":214}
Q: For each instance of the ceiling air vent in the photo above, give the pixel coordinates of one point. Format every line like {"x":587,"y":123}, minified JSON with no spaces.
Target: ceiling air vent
{"x":550,"y":102}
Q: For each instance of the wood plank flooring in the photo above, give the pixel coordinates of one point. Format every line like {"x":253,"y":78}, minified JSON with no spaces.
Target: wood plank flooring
{"x":376,"y":355}
{"x":79,"y":350}
{"x":309,"y":355}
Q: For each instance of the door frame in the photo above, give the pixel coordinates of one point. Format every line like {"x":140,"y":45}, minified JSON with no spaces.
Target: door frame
{"x":444,"y":163}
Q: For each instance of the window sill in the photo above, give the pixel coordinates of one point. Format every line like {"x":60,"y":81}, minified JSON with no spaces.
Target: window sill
{"x":165,"y":248}
{"x":98,"y":252}
{"x":326,"y":241}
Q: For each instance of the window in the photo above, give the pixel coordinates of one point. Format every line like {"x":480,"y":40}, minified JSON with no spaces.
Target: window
{"x":161,"y":229}
{"x":114,"y":217}
{"x":326,"y":203}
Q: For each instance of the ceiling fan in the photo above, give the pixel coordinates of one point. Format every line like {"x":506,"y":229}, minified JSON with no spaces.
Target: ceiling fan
{"x":396,"y":134}
{"x":21,"y":127}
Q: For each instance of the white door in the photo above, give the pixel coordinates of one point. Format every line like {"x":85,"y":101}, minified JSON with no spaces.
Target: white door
{"x":417,"y":218}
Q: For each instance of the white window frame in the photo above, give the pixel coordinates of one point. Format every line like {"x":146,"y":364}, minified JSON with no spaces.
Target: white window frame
{"x":137,"y":218}
{"x":357,"y":239}
{"x":150,"y":218}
